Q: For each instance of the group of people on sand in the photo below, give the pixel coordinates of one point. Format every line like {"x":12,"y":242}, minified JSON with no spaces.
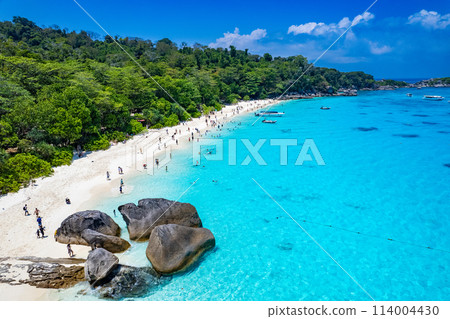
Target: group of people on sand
{"x":120,"y":170}
{"x":40,"y":232}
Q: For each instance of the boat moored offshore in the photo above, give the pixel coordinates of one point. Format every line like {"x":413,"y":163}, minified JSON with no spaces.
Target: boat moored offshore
{"x":269,"y":113}
{"x":433,"y":97}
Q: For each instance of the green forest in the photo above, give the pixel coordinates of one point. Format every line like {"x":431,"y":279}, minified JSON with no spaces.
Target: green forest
{"x":62,"y":90}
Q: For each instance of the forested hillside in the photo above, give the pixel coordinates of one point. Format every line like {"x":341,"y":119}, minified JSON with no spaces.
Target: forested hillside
{"x":61,"y":90}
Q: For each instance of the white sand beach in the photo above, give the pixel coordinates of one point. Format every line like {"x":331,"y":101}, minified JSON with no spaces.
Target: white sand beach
{"x":83,"y":181}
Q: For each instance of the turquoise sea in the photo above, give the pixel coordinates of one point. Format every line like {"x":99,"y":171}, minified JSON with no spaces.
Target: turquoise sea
{"x":387,"y":176}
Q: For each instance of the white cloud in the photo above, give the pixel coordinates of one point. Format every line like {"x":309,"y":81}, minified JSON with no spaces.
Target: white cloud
{"x":243,"y":41}
{"x":378,"y":49}
{"x":366,"y":16}
{"x":344,"y":23}
{"x":430,"y":19}
{"x":321,"y":28}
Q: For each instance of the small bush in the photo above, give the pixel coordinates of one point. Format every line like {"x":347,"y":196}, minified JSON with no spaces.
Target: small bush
{"x":136,"y":127}
{"x":157,"y":126}
{"x":116,"y":136}
{"x":20,"y":170}
{"x":44,"y":151}
{"x":97,"y":144}
{"x":62,"y":157}
{"x":172,"y":120}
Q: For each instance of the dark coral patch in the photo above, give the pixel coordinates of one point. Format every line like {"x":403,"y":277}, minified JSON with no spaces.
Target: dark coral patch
{"x":406,"y":135}
{"x":366,"y":129}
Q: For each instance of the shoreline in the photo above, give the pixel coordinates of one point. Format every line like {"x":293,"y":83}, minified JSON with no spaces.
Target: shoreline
{"x":83,"y":182}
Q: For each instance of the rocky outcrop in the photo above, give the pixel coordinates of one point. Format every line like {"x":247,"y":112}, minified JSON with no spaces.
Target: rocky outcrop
{"x":42,"y":272}
{"x":72,"y":227}
{"x":121,"y":282}
{"x":152,"y":212}
{"x":172,"y":248}
{"x":99,"y":264}
{"x":44,"y":275}
{"x":112,"y":244}
{"x":129,"y":282}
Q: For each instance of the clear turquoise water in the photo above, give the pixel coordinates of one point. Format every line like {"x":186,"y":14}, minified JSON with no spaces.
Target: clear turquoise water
{"x":388,"y":182}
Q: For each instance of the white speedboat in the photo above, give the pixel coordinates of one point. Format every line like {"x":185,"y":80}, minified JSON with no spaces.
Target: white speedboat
{"x":433,"y":97}
{"x":269,"y":122}
{"x":269,"y":113}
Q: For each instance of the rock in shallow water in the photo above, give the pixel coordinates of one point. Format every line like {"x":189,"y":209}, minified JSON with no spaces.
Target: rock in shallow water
{"x":112,"y":244}
{"x":172,"y":248}
{"x":151,"y":212}
{"x":130,"y":282}
{"x":72,"y":227}
{"x":99,"y":264}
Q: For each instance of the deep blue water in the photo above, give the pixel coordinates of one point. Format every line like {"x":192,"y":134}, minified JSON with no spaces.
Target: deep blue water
{"x":385,"y":177}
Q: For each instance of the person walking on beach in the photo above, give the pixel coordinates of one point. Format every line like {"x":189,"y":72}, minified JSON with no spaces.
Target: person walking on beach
{"x":38,"y":234}
{"x":121,"y":182}
{"x":70,"y":251}
{"x":120,"y":189}
{"x":41,"y":230}
{"x":36,"y":212}
{"x":25,"y":209}
{"x":107,"y":175}
{"x":39,"y":221}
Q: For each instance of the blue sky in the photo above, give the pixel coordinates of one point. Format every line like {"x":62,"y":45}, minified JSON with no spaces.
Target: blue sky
{"x":394,"y":39}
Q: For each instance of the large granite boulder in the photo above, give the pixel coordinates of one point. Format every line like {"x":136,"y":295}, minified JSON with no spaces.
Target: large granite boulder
{"x":99,"y":264}
{"x":72,"y":227}
{"x":151,"y":212}
{"x":172,"y":248}
{"x":112,"y":244}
